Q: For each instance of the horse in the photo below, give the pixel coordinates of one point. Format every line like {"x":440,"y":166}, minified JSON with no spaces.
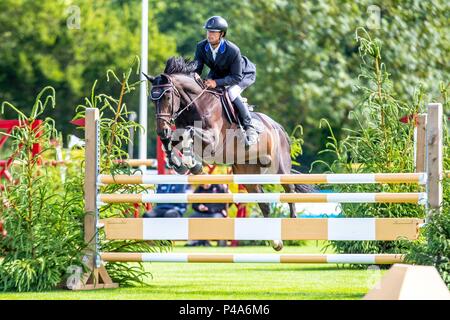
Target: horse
{"x":181,"y":99}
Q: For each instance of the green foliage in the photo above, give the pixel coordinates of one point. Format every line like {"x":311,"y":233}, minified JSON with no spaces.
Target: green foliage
{"x":433,"y":248}
{"x":306,"y":59}
{"x":42,"y":214}
{"x":41,"y":46}
{"x":378,"y":143}
{"x":297,"y":142}
{"x":114,"y":126}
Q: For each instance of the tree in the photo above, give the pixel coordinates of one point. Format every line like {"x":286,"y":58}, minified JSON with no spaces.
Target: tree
{"x":68,"y":47}
{"x":306,"y":53}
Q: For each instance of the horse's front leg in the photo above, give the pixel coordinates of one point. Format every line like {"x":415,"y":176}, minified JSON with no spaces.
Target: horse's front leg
{"x":203,"y":148}
{"x":174,"y":155}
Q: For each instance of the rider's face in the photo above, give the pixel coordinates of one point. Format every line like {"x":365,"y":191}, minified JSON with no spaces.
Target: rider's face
{"x":213,"y":36}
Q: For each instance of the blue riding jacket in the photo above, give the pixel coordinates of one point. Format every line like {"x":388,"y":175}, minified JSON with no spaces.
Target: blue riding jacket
{"x":229,"y":68}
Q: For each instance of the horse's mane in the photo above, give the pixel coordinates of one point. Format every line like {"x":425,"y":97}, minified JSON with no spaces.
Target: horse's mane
{"x":180,"y":65}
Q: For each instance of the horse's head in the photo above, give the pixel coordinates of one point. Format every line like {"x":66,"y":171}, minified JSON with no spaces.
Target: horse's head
{"x":170,"y":92}
{"x":167,"y":99}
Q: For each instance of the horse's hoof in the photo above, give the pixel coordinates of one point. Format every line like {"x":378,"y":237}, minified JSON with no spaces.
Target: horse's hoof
{"x":277,"y":245}
{"x":265,"y":160}
{"x":180,"y":169}
{"x":197,"y":169}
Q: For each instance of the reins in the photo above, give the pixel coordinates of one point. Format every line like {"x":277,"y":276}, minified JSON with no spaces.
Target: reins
{"x":171,"y":87}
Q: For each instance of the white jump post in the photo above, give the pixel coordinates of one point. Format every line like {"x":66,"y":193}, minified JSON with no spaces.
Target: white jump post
{"x":435,"y":170}
{"x":97,"y":277}
{"x":420,"y":132}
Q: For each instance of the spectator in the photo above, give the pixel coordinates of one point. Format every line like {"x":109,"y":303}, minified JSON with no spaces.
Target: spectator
{"x":168,"y":210}
{"x":208,"y":210}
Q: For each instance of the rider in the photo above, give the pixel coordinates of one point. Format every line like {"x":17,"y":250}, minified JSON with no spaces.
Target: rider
{"x":228,"y":68}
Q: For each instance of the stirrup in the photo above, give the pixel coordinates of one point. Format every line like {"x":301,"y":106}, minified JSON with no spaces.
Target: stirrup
{"x":251,"y":137}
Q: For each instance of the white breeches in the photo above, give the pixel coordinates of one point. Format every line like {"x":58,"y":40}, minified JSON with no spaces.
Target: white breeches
{"x":234,"y":92}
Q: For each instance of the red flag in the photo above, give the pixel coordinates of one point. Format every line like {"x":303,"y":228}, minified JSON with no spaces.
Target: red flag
{"x":79,"y":122}
{"x":408,"y":118}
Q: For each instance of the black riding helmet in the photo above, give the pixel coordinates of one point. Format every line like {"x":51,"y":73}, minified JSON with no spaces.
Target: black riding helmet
{"x":217,"y":23}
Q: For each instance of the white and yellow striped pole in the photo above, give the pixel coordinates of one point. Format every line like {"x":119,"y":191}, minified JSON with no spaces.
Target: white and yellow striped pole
{"x":252,"y":258}
{"x":382,"y":229}
{"x":418,"y":198}
{"x":354,"y":178}
{"x":138,"y":162}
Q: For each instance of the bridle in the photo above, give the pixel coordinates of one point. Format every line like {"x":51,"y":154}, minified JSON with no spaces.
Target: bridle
{"x":158,"y":92}
{"x":161,"y":89}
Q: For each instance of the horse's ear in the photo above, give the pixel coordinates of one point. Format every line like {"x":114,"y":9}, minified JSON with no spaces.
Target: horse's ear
{"x":149,"y":78}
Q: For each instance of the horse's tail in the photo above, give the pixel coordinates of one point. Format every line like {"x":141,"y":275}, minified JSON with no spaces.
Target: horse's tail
{"x":303,"y":188}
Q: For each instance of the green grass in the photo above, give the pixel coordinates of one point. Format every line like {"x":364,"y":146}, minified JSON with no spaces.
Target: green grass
{"x":235,"y":281}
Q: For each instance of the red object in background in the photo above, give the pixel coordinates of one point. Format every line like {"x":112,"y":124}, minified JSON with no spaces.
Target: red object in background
{"x":136,"y":212}
{"x":408,"y":118}
{"x":37,"y":148}
{"x":8,"y":126}
{"x":79,"y":122}
{"x":2,"y":230}
{"x":241,"y":213}
{"x":211,"y":168}
{"x":160,"y":157}
{"x":411,"y":117}
{"x":241,"y":207}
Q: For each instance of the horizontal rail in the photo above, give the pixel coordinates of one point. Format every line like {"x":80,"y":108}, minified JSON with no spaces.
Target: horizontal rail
{"x":253,"y":258}
{"x":403,"y":197}
{"x":138,"y":162}
{"x":354,"y":178}
{"x":261,"y":229}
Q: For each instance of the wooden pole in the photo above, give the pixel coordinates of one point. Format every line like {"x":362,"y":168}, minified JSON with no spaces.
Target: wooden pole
{"x":420,"y":156}
{"x":434,"y":158}
{"x":90,"y":185}
{"x":380,"y":229}
{"x":252,"y":258}
{"x":97,"y":277}
{"x":339,"y":178}
{"x":380,"y":197}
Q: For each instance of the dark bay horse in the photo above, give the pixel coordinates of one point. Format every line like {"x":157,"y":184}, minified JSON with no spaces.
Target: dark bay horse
{"x":182,"y":100}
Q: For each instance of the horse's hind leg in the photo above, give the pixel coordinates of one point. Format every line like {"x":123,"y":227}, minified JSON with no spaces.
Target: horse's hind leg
{"x":290,"y":188}
{"x":265,"y":208}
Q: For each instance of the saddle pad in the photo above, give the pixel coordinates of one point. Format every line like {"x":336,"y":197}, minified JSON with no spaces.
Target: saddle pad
{"x":257,"y":124}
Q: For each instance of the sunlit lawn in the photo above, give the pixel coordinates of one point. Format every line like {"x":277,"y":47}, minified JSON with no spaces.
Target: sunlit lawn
{"x":235,"y":281}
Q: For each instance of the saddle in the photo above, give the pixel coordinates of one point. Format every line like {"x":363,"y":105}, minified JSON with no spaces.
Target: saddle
{"x":232,"y":113}
{"x":229,"y":108}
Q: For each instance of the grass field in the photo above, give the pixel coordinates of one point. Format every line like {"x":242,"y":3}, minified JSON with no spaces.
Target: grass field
{"x":235,"y":281}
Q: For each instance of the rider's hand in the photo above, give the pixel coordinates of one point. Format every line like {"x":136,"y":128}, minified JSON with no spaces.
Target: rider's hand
{"x":210,"y":83}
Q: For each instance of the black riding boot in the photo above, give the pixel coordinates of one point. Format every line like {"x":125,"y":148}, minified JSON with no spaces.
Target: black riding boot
{"x":246,"y":120}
